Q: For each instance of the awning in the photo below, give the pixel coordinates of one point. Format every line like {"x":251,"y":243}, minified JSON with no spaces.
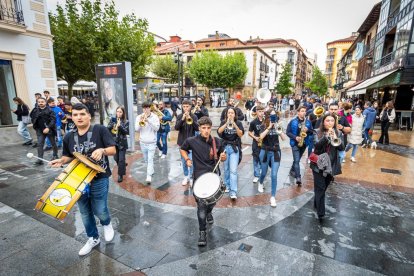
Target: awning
{"x":362,"y":87}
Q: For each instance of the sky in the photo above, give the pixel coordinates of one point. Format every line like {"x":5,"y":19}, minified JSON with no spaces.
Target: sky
{"x":312,"y":23}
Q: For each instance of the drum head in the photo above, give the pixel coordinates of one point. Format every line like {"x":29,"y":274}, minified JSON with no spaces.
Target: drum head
{"x":206,"y":185}
{"x":88,"y":162}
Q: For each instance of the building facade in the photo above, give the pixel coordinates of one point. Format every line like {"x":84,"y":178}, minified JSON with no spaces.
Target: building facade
{"x":26,"y":55}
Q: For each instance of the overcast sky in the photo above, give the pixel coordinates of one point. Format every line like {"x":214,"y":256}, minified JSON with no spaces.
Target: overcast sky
{"x":312,"y":23}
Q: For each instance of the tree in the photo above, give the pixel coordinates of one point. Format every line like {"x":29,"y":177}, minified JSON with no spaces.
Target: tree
{"x":318,"y":83}
{"x":165,"y":67}
{"x":285,"y":85}
{"x":211,"y":69}
{"x":86,"y":33}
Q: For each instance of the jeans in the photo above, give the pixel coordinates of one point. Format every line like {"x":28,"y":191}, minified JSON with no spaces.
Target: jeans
{"x":163,"y":136}
{"x":96,"y":203}
{"x":148,"y":150}
{"x":230,"y":169}
{"x":256,"y":167}
{"x":22,"y":130}
{"x":275,"y":168}
{"x":202,"y":211}
{"x":310,"y":146}
{"x":385,"y":125}
{"x":367,"y":137}
{"x":321,"y":183}
{"x":59,"y":137}
{"x":41,"y":141}
{"x":188,"y":171}
{"x":297,"y":155}
{"x":119,"y":158}
{"x":341,"y":155}
{"x":354,"y":149}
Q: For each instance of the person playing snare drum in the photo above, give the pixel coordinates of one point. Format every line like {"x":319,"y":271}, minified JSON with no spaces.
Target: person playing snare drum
{"x":205,"y":153}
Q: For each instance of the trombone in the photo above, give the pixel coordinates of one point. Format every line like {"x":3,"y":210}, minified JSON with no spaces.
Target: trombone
{"x":158,"y":113}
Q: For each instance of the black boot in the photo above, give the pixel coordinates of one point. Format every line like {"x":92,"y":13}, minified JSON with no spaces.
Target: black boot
{"x":120,"y":178}
{"x":210,"y":218}
{"x":202,"y":241}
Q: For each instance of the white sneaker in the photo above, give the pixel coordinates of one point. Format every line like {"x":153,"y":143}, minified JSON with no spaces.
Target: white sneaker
{"x":185,"y":181}
{"x":227,"y":190}
{"x":273,"y":201}
{"x":260,"y":188}
{"x":148,"y":180}
{"x":87,"y":248}
{"x":233,"y":197}
{"x":163,"y":156}
{"x":159,"y":154}
{"x":353,"y":159}
{"x":190,"y":181}
{"x":108,"y":232}
{"x":255,"y":179}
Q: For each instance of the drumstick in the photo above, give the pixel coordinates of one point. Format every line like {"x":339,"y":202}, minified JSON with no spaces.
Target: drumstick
{"x":218,"y":163}
{"x":31,"y":155}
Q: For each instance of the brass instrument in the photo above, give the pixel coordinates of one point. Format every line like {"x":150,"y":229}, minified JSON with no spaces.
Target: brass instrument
{"x":114,"y":129}
{"x":260,"y":143}
{"x":158,"y":113}
{"x":230,"y":125}
{"x":188,"y":119}
{"x":319,"y":111}
{"x":335,"y":141}
{"x":279,"y":129}
{"x":195,"y":109}
{"x":64,"y":120}
{"x":302,"y":135}
{"x":142,"y":122}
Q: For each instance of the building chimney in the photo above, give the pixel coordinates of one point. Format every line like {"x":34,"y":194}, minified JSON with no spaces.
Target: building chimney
{"x":175,"y":38}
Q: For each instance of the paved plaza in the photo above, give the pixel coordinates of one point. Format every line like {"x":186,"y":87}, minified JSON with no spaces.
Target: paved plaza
{"x":369,"y":228}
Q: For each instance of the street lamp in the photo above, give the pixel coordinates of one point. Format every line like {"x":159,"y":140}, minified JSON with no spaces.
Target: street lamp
{"x":178,"y":59}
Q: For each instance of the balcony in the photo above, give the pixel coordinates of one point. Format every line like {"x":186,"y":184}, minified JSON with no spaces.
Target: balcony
{"x":11,"y":16}
{"x":395,"y":17}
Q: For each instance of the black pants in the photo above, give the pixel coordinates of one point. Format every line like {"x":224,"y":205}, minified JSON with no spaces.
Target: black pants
{"x":120,"y":161}
{"x":320,"y":183}
{"x":202,"y":211}
{"x":41,"y":141}
{"x":385,"y":125}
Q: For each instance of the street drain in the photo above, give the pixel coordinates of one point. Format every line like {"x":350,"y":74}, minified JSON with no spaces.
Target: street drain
{"x":245,"y":247}
{"x":384,"y":170}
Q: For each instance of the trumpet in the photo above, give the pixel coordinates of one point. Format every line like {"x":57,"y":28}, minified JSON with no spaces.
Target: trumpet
{"x":319,"y":111}
{"x":188,"y":119}
{"x":333,"y":139}
{"x":230,"y":125}
{"x":279,"y":129}
{"x":143,"y":120}
{"x":195,"y":109}
{"x":114,"y":129}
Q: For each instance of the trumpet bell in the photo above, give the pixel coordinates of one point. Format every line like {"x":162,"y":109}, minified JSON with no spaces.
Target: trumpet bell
{"x":263,"y":95}
{"x":189,"y":121}
{"x":336,"y":142}
{"x":279,"y":130}
{"x":319,"y":111}
{"x":141,"y":123}
{"x":114,"y":131}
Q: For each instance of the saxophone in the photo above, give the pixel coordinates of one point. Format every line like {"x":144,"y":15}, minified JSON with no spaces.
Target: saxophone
{"x":302,"y":135}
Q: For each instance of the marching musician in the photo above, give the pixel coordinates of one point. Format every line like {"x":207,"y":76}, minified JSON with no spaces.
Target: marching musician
{"x":255,"y":128}
{"x":231,"y":130}
{"x":200,"y":110}
{"x":70,"y":126}
{"x":206,"y":150}
{"x":232,"y":104}
{"x":119,"y":127}
{"x":328,"y":152}
{"x":298,"y":130}
{"x":96,"y":142}
{"x":248,"y":106}
{"x":163,"y":131}
{"x":270,"y":153}
{"x":187,"y":126}
{"x":147,"y":124}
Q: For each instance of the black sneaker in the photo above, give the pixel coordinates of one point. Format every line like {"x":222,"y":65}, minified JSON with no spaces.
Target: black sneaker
{"x":28,"y":143}
{"x":292,"y":174}
{"x":38,"y":162}
{"x":47,"y":148}
{"x":120,"y":178}
{"x":202,"y":241}
{"x":298,"y":181}
{"x":210,"y":218}
{"x":34,"y":145}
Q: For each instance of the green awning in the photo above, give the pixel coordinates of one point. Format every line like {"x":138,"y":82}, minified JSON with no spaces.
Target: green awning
{"x":391,"y":80}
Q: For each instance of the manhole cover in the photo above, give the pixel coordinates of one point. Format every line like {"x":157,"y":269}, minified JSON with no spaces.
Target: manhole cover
{"x":245,"y":247}
{"x":384,"y":170}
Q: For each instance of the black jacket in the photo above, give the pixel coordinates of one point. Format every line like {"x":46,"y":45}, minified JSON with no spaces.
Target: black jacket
{"x":46,"y":115}
{"x":185,"y":130}
{"x":322,"y":145}
{"x":22,"y":110}
{"x":120,"y":138}
{"x":240,"y":115}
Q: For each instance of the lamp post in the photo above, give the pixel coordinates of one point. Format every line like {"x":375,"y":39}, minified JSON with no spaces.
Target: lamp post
{"x":178,"y":59}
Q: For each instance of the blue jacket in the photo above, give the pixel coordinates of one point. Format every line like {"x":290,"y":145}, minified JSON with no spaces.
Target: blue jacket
{"x":166,"y":118}
{"x":292,"y":131}
{"x":370,"y":114}
{"x":58,"y":110}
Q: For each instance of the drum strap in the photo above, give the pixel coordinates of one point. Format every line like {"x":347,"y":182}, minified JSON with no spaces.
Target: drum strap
{"x":88,"y":139}
{"x":214,"y":148}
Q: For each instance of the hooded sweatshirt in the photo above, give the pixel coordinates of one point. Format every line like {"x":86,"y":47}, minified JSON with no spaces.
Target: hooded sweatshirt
{"x":148,"y":133}
{"x":369,"y":114}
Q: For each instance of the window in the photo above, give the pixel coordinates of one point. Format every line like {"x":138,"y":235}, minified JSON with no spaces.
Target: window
{"x":222,"y":44}
{"x":7,"y":93}
{"x":207,"y":45}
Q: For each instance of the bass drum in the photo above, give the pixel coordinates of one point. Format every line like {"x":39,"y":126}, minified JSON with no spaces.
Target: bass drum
{"x":209,"y":188}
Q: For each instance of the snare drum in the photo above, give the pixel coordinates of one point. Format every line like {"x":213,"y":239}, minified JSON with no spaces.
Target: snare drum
{"x":68,"y":187}
{"x":209,"y":188}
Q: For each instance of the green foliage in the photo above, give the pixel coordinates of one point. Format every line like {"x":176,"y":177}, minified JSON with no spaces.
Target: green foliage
{"x":285,"y":85}
{"x":211,"y":69}
{"x":165,"y":67}
{"x":318,"y":83}
{"x":89,"y":32}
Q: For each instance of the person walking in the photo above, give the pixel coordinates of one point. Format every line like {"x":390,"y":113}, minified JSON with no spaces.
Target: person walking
{"x":370,"y":115}
{"x":163,"y":131}
{"x":22,"y":112}
{"x":387,"y":117}
{"x":356,"y":136}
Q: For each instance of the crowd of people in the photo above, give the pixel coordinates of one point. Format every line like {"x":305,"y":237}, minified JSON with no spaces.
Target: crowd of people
{"x":325,"y":131}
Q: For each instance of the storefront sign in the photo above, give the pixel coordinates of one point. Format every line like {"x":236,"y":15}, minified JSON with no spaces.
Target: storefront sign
{"x":398,"y":63}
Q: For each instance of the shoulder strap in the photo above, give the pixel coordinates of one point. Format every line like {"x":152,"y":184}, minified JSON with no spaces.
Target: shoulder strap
{"x":214,"y":148}
{"x":88,"y":138}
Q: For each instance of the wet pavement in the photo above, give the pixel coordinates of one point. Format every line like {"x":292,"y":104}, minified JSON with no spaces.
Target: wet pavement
{"x":369,"y":228}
